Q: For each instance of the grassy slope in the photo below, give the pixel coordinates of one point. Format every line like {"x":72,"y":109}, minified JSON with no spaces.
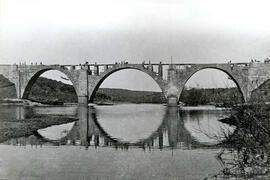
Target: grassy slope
{"x":7,"y":89}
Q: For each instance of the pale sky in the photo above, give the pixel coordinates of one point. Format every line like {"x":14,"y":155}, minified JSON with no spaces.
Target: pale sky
{"x":192,"y":31}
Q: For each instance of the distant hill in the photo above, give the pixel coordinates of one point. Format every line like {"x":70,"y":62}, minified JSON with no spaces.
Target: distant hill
{"x":124,"y":95}
{"x":218,"y":96}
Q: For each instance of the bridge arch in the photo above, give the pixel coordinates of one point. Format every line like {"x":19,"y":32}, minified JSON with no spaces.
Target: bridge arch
{"x":94,"y":86}
{"x":31,"y":78}
{"x":227,"y":71}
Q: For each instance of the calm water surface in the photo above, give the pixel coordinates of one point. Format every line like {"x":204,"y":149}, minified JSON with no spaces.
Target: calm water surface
{"x":126,"y":141}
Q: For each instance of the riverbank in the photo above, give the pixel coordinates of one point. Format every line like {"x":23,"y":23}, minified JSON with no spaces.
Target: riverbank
{"x":27,"y":102}
{"x":14,"y":128}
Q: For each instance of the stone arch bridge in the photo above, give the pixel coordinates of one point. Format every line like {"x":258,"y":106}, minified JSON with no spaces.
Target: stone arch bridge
{"x":87,"y":78}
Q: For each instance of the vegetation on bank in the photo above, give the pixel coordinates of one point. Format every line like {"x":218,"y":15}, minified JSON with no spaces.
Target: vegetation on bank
{"x":248,"y":143}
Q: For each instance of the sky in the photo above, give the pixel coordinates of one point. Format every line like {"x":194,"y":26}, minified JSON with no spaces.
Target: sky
{"x":105,"y":31}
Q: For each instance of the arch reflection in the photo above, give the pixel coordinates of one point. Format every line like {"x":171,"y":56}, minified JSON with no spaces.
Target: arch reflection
{"x":174,"y":131}
{"x":171,"y":133}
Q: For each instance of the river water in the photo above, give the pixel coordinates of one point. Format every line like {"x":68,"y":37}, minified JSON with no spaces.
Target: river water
{"x":125,"y":141}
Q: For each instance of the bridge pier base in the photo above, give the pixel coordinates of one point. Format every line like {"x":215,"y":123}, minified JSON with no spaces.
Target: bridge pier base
{"x":82,"y":100}
{"x":83,"y":114}
{"x":172,"y":101}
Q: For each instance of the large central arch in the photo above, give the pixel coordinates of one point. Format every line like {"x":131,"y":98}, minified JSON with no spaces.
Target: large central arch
{"x":98,"y":80}
{"x":228,"y":72}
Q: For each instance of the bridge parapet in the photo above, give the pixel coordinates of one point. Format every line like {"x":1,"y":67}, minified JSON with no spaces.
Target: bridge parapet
{"x":104,"y":68}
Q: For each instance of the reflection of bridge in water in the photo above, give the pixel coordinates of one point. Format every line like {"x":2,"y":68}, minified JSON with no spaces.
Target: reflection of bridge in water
{"x":170,"y":133}
{"x":87,"y":131}
{"x":171,"y":130}
{"x":87,"y":78}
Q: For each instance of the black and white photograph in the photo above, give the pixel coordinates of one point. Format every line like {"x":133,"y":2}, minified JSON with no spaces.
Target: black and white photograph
{"x":134,"y":89}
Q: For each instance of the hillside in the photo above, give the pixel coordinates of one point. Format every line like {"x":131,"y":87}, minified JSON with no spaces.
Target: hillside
{"x":52,"y":92}
{"x":7,"y":89}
